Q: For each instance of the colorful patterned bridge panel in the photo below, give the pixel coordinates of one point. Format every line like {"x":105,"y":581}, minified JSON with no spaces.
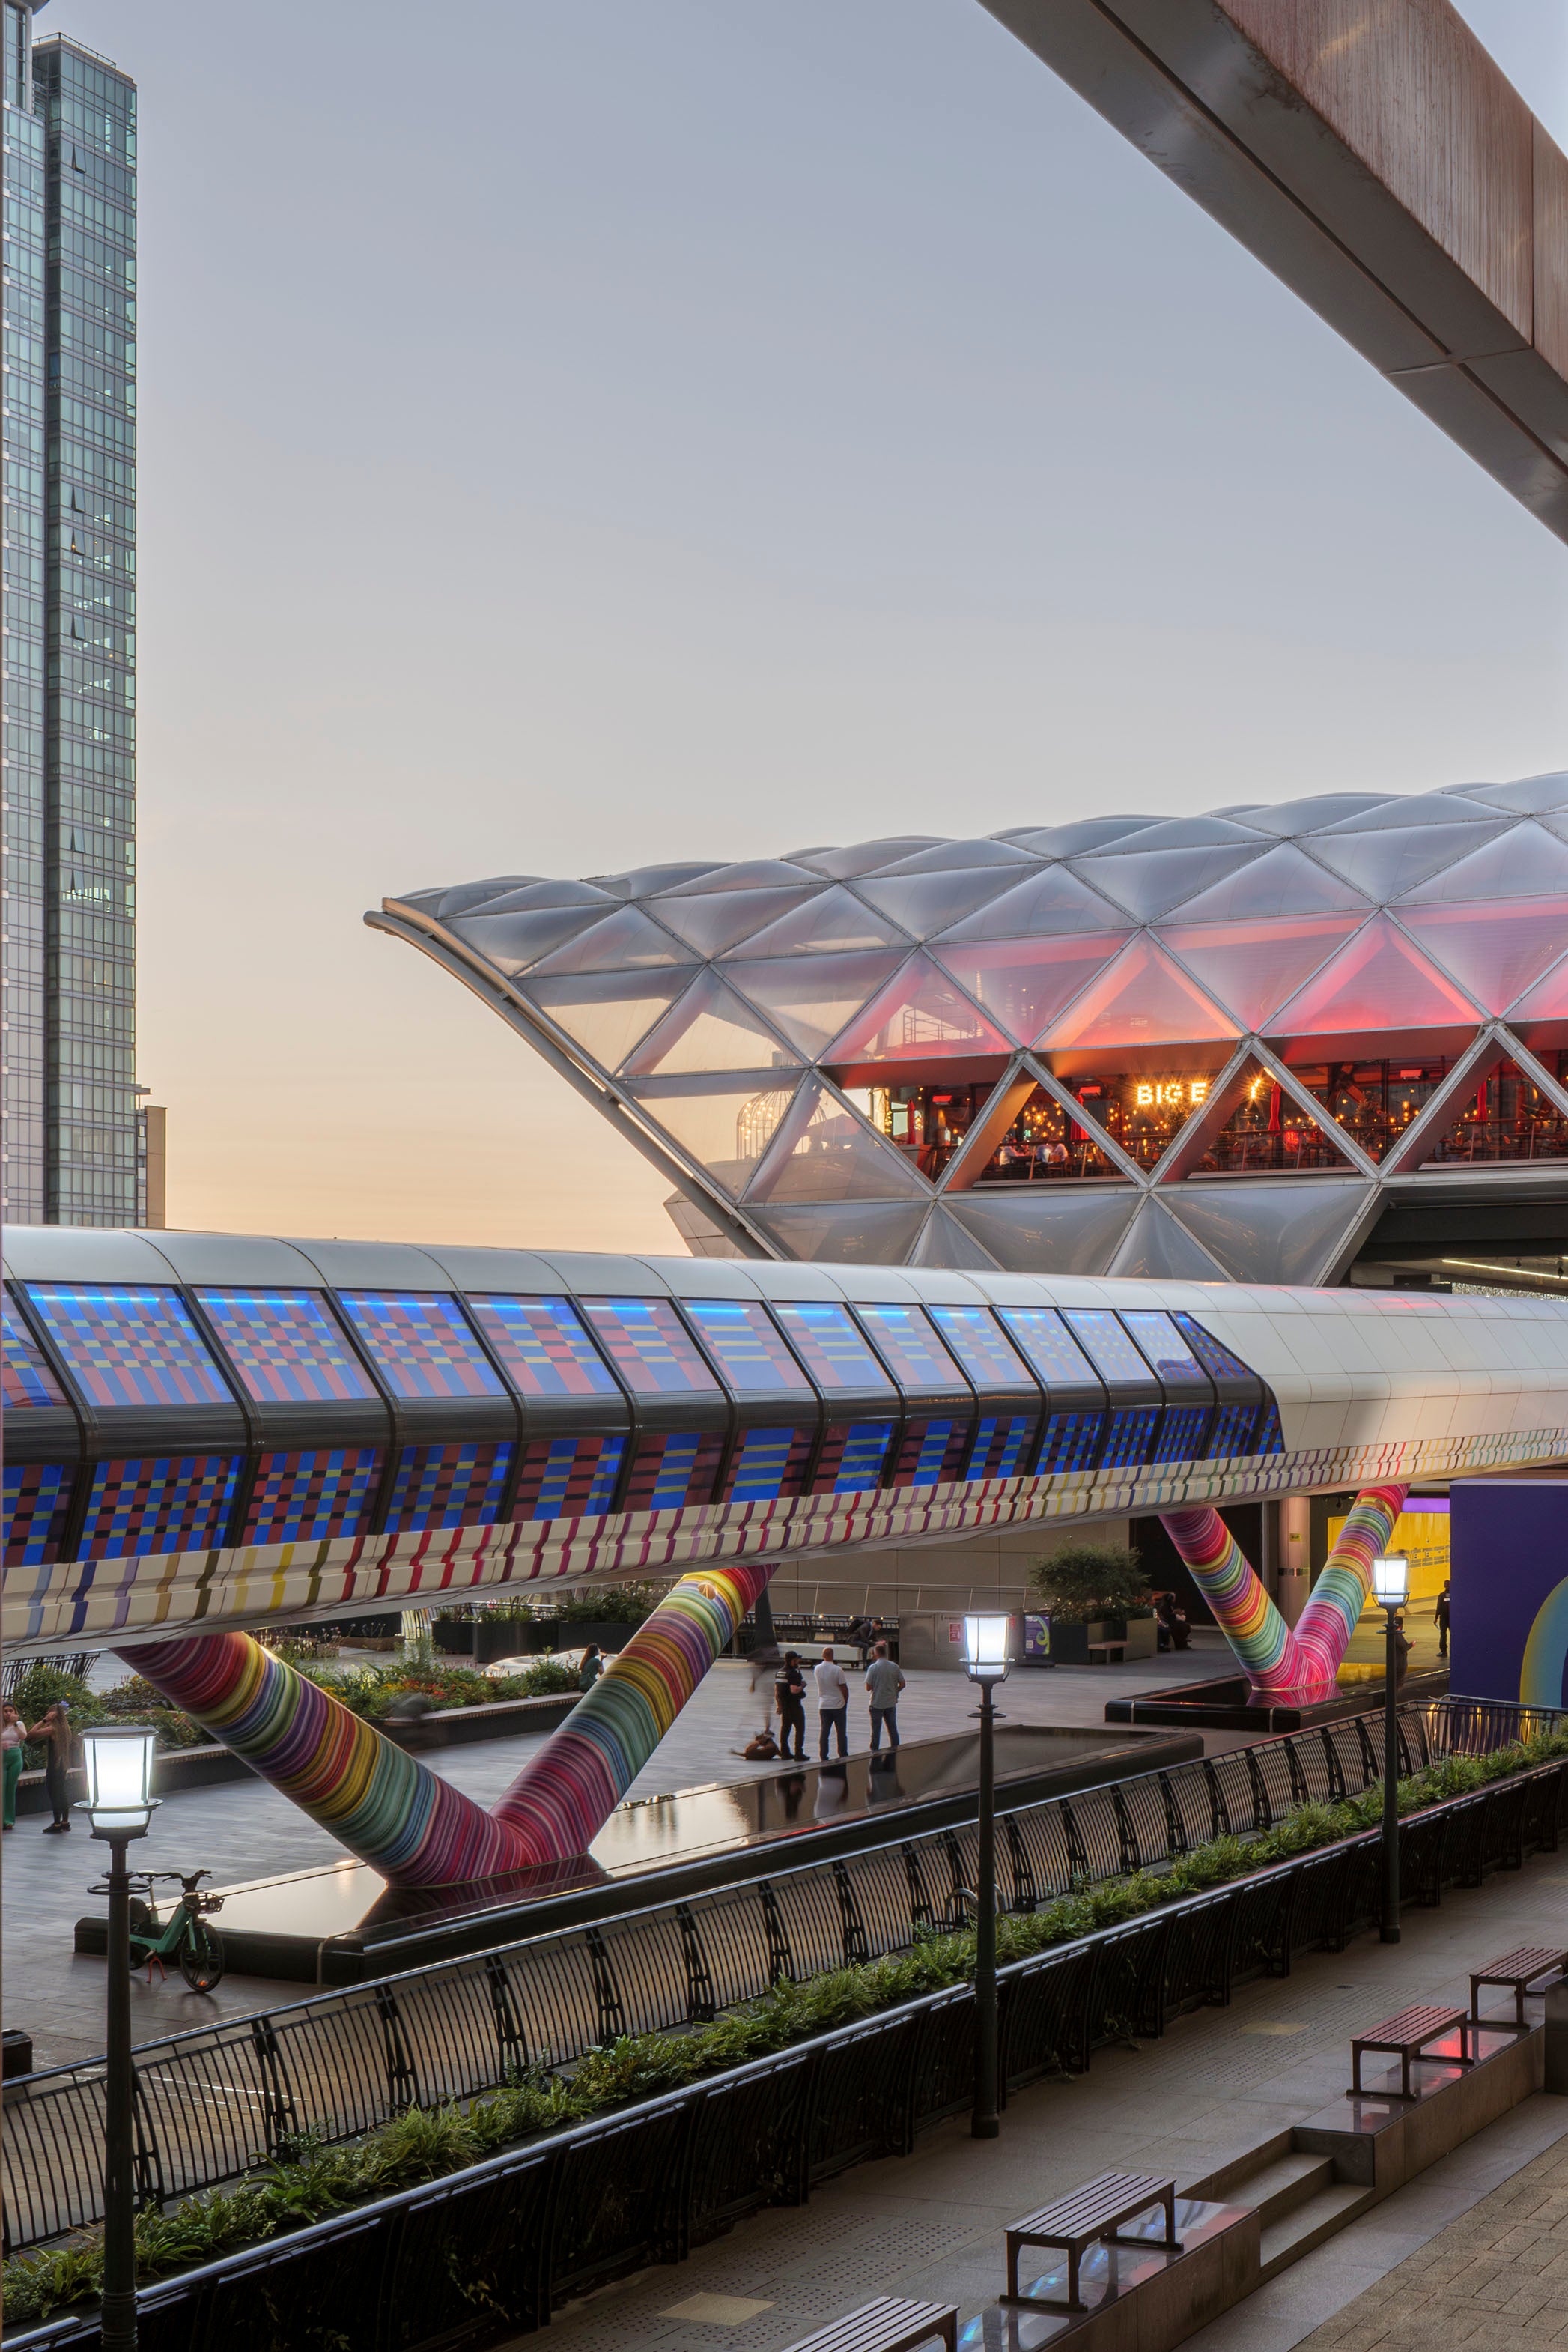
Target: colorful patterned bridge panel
{"x":1275,"y":1658}
{"x":414,"y":1828}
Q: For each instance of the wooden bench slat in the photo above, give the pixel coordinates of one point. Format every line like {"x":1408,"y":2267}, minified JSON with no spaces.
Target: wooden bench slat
{"x":889,"y":2323}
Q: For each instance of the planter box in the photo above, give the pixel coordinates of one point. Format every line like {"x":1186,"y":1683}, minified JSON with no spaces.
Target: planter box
{"x":489,"y":1638}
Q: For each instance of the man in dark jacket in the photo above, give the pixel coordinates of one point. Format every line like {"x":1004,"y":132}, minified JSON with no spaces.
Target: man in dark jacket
{"x":790,"y":1703}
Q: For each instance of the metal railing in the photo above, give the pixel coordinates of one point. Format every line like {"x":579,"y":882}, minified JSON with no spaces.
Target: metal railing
{"x":209,"y":2103}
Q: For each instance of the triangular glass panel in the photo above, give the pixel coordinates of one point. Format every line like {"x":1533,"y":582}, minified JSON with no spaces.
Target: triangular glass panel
{"x":1023,"y":984}
{"x":834,"y":923}
{"x":1049,"y":1232}
{"x":866,"y":857}
{"x":1284,"y":881}
{"x":1502,"y":1117}
{"x":881,"y":1235}
{"x":955,"y":856}
{"x":1547,"y":1001}
{"x":1406,"y":809}
{"x":919,"y":1018}
{"x":1379,"y":981}
{"x":1525,"y":862}
{"x":1055,"y":900}
{"x":1268,"y":1133}
{"x":812,"y":998}
{"x":748,"y":873}
{"x":1312,"y":814}
{"x":624,"y":941}
{"x":1210,"y":832}
{"x":727,"y":1127}
{"x":461,"y":897}
{"x":522,"y":894}
{"x":512,"y":942}
{"x":1150,"y":883}
{"x":1041,"y":1142}
{"x":1273,"y":1231}
{"x":1253,"y":967}
{"x":1082,"y":835}
{"x":1496,"y":950}
{"x":1142,"y":999}
{"x":1530,"y":796}
{"x":945,"y":1243}
{"x":644,"y":880}
{"x":607,"y":1015}
{"x":717,"y":919}
{"x":823,"y":1152}
{"x":710,"y":1029}
{"x":1385,"y":863}
{"x":929,"y":902}
{"x":1376,"y":1100}
{"x":1160,"y":1250}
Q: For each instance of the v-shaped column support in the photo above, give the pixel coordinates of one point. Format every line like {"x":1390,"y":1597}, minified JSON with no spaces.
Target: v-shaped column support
{"x":1275,"y":1658}
{"x":407,"y":1823}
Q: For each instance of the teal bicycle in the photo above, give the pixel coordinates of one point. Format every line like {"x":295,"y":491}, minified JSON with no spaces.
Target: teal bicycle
{"x":185,"y":1935}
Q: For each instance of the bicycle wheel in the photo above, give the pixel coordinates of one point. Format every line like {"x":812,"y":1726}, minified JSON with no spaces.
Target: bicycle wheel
{"x":201,"y":1959}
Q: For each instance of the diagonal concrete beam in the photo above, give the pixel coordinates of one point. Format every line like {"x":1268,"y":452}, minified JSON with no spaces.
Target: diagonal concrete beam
{"x":1375,"y":159}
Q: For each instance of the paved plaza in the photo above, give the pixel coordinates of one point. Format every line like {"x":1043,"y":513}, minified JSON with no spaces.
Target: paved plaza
{"x":1219,"y":2082}
{"x":247,"y":1830}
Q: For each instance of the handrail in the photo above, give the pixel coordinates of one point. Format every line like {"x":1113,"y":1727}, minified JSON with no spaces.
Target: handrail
{"x":212,"y":2100}
{"x":644,"y":2158}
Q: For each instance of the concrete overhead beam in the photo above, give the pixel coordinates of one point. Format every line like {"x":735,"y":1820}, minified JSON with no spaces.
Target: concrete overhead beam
{"x":1375,"y":158}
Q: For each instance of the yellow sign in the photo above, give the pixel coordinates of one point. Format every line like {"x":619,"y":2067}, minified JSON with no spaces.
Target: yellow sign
{"x":1423,"y":1538}
{"x":1170,"y":1094}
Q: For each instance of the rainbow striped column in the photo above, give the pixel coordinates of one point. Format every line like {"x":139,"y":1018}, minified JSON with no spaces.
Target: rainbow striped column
{"x":1242,"y":1609}
{"x":376,"y":1799}
{"x":1328,"y":1620}
{"x":565,"y":1794}
{"x":412,"y":1827}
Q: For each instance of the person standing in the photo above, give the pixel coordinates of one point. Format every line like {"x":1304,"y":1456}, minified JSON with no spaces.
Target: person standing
{"x":790,"y":1703}
{"x":12,"y":1736}
{"x":56,"y":1730}
{"x":883,"y":1682}
{"x":833,"y":1705}
{"x":1401,"y":1649}
{"x":1440,"y":1619}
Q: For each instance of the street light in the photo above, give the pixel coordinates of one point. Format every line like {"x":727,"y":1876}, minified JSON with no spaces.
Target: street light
{"x":987,"y":1655}
{"x":119,"y":1807}
{"x":1390,"y":1589}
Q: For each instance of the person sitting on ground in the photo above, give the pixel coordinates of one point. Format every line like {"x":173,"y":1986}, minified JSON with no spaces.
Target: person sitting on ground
{"x":883,"y":1682}
{"x":790,"y":1705}
{"x":832,"y":1704}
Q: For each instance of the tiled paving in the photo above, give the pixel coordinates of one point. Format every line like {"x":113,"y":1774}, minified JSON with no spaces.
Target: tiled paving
{"x":1221,"y":2081}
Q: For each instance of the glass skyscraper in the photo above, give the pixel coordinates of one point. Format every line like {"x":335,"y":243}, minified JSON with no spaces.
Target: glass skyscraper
{"x":70,"y":456}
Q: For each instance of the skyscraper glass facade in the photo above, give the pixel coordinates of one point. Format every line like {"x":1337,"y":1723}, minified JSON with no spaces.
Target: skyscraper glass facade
{"x":70,"y":515}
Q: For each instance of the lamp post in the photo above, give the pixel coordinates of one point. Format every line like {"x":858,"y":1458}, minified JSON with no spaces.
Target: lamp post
{"x":988,"y":1647}
{"x":119,"y":1806}
{"x":1390,"y":1588}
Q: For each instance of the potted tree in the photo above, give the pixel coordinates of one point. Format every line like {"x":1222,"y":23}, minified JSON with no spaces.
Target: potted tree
{"x":1092,"y":1592}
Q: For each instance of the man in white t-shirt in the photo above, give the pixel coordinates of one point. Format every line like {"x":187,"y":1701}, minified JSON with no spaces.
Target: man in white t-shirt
{"x":833,"y":1700}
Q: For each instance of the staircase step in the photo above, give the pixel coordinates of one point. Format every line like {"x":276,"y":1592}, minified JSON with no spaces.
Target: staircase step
{"x":1307,"y":2225}
{"x":1277,"y":2188}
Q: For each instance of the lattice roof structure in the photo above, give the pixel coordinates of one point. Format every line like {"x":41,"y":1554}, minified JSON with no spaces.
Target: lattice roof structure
{"x":1207,"y":1046}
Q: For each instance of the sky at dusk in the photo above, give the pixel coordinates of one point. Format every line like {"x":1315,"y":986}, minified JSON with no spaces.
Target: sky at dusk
{"x":575,"y":433}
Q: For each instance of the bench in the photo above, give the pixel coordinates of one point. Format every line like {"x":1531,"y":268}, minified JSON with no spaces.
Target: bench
{"x":1516,"y":1972}
{"x":1107,"y":1653}
{"x":1406,"y":2036}
{"x":1091,"y":2215}
{"x":888,"y":2325}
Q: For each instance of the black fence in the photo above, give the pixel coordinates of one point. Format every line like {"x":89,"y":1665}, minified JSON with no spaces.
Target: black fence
{"x":487,"y":2253}
{"x":210,"y":2103}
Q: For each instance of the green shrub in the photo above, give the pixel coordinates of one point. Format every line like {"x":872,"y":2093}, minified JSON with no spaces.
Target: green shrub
{"x":1084,"y":1583}
{"x":311,"y":2181}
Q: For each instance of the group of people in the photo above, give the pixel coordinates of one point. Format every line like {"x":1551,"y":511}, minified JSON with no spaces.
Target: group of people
{"x":58,"y":1734}
{"x":883,"y":1682}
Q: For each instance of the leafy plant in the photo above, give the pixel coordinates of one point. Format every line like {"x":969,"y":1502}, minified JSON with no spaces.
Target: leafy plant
{"x":1084,"y":1583}
{"x":309,"y":2179}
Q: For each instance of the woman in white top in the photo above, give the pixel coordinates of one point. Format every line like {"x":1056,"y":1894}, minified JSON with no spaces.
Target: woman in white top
{"x":12,"y":1735}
